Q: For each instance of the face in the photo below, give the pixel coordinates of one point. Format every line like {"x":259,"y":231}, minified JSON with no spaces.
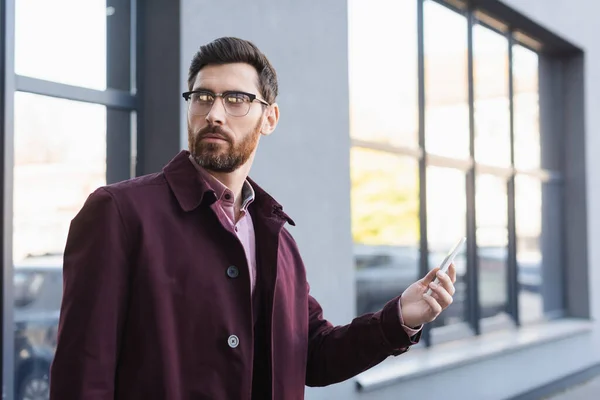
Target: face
{"x":219,"y":141}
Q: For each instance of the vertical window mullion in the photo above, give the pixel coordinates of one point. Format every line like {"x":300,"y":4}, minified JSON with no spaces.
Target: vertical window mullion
{"x":512,"y":275}
{"x":120,"y":75}
{"x":7,"y":93}
{"x":473,"y":308}
{"x":424,"y":251}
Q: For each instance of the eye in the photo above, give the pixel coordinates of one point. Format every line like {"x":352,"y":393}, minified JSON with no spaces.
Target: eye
{"x":202,"y":97}
{"x":237,"y":98}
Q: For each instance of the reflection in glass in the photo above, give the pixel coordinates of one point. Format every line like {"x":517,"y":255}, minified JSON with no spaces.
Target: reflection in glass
{"x":446,"y":224}
{"x":526,"y":108}
{"x":492,"y":241}
{"x":446,"y":82}
{"x":528,"y":204}
{"x":382,"y":53}
{"x":60,"y":157}
{"x":492,"y":112}
{"x":62,"y":41}
{"x":385,"y":225}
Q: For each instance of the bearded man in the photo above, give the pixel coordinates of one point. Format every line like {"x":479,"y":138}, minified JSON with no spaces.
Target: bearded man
{"x":185,"y":284}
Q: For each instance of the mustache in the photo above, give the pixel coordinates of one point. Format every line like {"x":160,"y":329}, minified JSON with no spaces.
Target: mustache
{"x":213,"y":131}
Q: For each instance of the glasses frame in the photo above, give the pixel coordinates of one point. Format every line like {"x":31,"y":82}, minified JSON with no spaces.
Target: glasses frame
{"x":251,"y":96}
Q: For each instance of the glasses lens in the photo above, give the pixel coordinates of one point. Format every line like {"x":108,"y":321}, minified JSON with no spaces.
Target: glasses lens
{"x":237,"y":104}
{"x":200,"y":103}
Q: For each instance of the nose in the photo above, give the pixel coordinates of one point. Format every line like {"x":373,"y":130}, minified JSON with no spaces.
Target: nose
{"x":216,"y":115}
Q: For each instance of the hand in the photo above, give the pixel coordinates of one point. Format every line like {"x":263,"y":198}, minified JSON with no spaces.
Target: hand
{"x":417,"y":307}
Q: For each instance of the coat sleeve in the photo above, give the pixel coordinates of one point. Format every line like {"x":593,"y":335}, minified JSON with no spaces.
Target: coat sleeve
{"x":339,"y":353}
{"x":95,"y":275}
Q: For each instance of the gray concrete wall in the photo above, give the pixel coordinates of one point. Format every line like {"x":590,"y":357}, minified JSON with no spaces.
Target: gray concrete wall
{"x":305,"y":165}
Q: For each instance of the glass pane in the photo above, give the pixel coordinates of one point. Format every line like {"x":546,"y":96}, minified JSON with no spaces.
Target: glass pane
{"x":526,"y":108}
{"x":382,"y":55}
{"x":446,"y":80}
{"x":60,"y":157}
{"x":492,"y":241}
{"x":528,"y":207}
{"x":446,"y":223}
{"x":492,"y":112}
{"x":65,"y":41}
{"x":385,"y":225}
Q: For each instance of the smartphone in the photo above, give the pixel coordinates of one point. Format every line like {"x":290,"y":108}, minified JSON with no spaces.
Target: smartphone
{"x":449,"y":258}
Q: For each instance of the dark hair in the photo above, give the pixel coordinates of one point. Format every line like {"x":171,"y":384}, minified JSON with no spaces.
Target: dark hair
{"x":229,"y":50}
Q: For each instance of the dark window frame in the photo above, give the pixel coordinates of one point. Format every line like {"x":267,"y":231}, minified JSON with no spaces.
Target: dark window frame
{"x":7,"y":88}
{"x":551,"y":49}
{"x":123,"y":113}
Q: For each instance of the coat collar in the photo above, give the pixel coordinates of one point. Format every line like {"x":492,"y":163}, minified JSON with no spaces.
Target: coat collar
{"x":191,"y":190}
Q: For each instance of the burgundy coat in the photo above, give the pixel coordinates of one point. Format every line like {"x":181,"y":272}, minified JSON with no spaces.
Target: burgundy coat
{"x":149,"y":308}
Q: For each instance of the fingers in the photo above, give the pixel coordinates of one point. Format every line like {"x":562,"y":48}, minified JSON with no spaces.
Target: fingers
{"x":442,"y":290}
{"x":436,"y":308}
{"x":444,"y":299}
{"x":447,"y":282}
{"x":452,"y":273}
{"x":430,"y":276}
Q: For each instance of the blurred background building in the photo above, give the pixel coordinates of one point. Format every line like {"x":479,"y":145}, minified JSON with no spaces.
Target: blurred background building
{"x":405,"y":125}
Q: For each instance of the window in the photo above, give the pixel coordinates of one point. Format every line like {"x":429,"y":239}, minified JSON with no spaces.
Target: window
{"x":78,"y":42}
{"x":387,"y":229}
{"x":71,"y":52}
{"x":74,"y":111}
{"x":384,"y":123}
{"x":383,"y":96}
{"x":60,"y":157}
{"x":446,"y":82}
{"x":446,"y":142}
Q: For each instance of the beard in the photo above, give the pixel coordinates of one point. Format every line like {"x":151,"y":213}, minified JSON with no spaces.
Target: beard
{"x":222,"y":157}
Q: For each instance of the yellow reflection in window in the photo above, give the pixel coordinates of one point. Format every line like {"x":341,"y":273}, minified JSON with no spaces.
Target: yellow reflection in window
{"x":385,"y":198}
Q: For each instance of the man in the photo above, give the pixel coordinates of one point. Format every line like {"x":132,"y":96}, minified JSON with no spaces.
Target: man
{"x":185,"y":284}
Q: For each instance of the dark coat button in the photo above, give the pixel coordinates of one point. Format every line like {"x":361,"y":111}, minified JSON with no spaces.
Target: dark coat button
{"x":233,"y":272}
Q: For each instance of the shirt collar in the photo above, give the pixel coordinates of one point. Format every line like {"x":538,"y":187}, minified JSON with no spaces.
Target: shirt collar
{"x":222,"y":192}
{"x":191,"y":190}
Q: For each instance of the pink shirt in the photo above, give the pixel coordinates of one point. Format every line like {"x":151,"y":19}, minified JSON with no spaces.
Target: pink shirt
{"x":244,"y":227}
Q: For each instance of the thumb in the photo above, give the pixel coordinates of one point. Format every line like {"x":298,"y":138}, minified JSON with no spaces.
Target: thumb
{"x":430,"y":276}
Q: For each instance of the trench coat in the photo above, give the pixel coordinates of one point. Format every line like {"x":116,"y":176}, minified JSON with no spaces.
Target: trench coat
{"x":156,"y":301}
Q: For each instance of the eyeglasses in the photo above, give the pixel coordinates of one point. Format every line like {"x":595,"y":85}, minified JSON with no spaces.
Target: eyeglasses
{"x":237,"y":104}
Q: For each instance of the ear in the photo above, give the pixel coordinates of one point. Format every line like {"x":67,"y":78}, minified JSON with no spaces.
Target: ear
{"x":271,"y":120}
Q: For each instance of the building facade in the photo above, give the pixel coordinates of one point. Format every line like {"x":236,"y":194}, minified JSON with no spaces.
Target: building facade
{"x":405,"y":125}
